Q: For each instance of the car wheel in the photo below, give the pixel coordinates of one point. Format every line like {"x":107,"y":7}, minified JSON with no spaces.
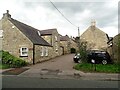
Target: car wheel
{"x":104,"y":62}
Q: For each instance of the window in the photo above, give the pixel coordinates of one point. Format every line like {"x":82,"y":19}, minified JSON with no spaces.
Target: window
{"x":23,"y":51}
{"x":1,"y":33}
{"x":56,"y":39}
{"x":44,"y":51}
{"x":38,"y":33}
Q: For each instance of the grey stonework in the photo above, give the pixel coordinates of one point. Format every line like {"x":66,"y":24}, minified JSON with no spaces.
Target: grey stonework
{"x":13,"y":39}
{"x":73,"y":44}
{"x":95,"y":38}
{"x":17,"y":35}
{"x":53,"y":39}
{"x":68,"y":43}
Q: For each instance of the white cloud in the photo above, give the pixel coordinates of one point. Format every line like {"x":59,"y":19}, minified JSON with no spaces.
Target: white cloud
{"x":112,"y":31}
{"x":45,"y":17}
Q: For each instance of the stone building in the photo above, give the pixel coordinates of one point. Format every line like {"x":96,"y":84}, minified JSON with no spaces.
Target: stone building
{"x":114,"y":48}
{"x":53,"y":38}
{"x":73,"y":44}
{"x":110,"y":45}
{"x":94,"y":37}
{"x":65,"y":43}
{"x":23,"y":41}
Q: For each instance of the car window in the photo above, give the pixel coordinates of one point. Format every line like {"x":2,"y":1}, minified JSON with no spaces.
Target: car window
{"x":100,"y":54}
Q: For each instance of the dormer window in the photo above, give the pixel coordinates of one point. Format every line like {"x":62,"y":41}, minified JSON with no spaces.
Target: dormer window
{"x":38,"y":33}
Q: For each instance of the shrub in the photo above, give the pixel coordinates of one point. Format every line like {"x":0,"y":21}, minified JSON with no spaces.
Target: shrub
{"x":83,"y":51}
{"x":11,"y":60}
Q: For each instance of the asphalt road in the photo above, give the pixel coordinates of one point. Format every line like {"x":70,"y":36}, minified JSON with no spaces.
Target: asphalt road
{"x":37,"y":82}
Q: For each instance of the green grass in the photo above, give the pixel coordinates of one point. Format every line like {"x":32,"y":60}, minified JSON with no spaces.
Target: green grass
{"x":109,"y":68}
{"x":3,"y":66}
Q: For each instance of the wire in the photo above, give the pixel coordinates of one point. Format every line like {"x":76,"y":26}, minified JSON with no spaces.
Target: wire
{"x":62,"y":14}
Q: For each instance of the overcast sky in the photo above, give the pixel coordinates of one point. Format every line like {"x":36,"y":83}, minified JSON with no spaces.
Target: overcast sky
{"x":42,"y":15}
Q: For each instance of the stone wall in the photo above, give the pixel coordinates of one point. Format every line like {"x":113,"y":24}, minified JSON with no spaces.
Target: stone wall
{"x":95,"y":38}
{"x":66,"y":46}
{"x":73,"y":44}
{"x":48,"y":38}
{"x":54,"y":40}
{"x":14,"y":39}
{"x":116,"y":48}
{"x":38,"y":52}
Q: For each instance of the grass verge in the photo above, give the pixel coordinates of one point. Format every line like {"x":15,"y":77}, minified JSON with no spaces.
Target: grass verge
{"x":109,"y":68}
{"x":4,"y":66}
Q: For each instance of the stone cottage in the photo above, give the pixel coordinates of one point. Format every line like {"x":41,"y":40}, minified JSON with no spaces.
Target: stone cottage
{"x":65,"y":43}
{"x":23,"y":41}
{"x":53,"y":38}
{"x":94,"y":37}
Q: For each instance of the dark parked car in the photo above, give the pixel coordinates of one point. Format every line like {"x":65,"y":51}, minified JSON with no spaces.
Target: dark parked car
{"x":99,"y":57}
{"x":77,"y":58}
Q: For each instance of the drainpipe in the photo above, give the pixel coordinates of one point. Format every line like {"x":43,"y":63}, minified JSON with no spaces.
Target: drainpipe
{"x":33,"y":54}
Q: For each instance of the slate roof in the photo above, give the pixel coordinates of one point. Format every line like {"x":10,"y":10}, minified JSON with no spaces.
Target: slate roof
{"x":30,"y":32}
{"x":47,"y":32}
{"x":64,"y":38}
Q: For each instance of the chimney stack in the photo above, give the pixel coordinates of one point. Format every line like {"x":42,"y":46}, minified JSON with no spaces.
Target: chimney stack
{"x":93,"y":23}
{"x":7,"y":15}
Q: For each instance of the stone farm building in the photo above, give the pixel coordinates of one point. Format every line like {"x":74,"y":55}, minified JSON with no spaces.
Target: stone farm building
{"x":53,"y":38}
{"x":26,"y":42}
{"x":95,"y":38}
{"x":65,"y":43}
{"x":73,"y":44}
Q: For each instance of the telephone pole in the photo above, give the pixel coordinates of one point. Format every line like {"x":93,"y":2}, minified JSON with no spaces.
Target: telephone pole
{"x":78,"y":32}
{"x":78,"y":39}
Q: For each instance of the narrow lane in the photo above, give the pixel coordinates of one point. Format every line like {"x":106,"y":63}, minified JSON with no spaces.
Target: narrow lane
{"x":64,"y":62}
{"x":62,"y":65}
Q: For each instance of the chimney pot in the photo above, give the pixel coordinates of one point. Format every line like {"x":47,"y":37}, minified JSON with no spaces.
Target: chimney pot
{"x":7,"y":11}
{"x":7,"y":15}
{"x":93,"y":23}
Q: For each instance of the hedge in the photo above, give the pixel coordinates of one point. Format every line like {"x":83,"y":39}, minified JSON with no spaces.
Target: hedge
{"x":11,"y":60}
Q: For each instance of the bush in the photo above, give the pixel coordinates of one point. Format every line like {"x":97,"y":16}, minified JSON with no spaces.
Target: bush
{"x":83,"y":51}
{"x":11,"y":60}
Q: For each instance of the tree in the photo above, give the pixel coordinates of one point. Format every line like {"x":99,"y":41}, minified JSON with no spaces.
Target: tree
{"x":83,"y":51}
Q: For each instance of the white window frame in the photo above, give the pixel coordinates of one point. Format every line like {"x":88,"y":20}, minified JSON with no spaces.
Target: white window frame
{"x":39,"y":33}
{"x":21,"y":51}
{"x":56,"y":38}
{"x":42,"y":51}
{"x":1,"y":33}
{"x":46,"y":51}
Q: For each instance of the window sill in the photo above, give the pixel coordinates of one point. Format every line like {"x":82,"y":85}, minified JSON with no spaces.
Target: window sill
{"x":44,"y":56}
{"x":23,"y":56}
